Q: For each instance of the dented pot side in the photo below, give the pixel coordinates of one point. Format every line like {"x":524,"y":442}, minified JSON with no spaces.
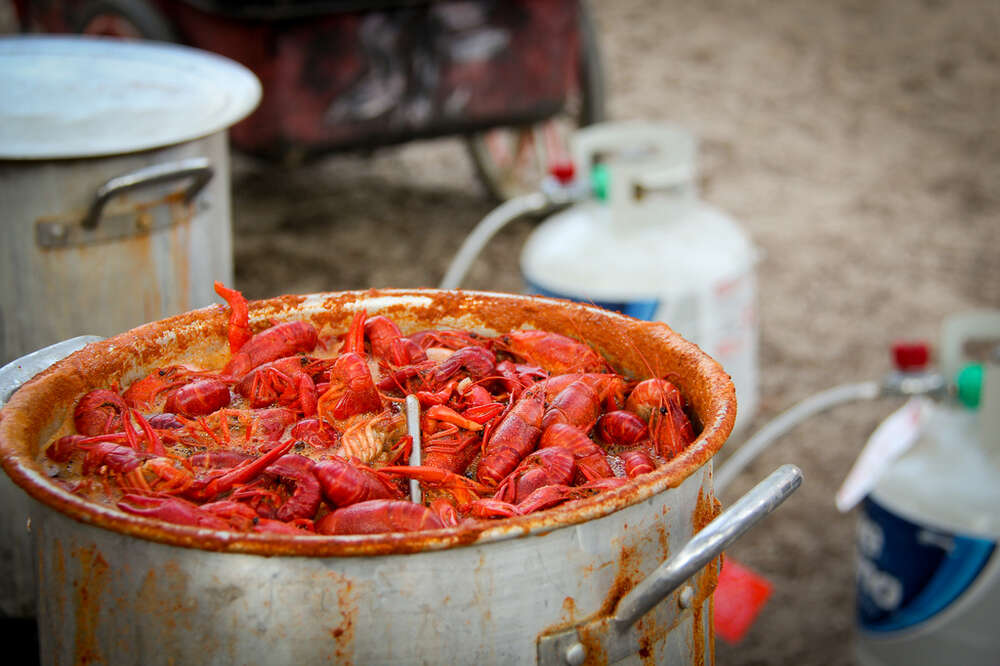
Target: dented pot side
{"x":42,"y":407}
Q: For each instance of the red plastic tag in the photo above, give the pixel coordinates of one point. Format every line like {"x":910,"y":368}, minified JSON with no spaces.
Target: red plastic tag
{"x":739,"y":598}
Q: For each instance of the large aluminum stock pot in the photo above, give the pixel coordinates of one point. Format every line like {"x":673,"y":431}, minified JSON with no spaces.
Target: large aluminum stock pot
{"x":564,"y":586}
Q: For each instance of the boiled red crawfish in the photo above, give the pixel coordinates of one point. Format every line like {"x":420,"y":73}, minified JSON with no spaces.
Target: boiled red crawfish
{"x":302,"y":431}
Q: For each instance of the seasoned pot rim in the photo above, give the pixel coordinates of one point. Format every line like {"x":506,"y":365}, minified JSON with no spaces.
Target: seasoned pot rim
{"x":36,"y":411}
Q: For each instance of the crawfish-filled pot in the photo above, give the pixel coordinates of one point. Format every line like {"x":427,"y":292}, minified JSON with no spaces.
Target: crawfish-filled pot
{"x":116,"y":588}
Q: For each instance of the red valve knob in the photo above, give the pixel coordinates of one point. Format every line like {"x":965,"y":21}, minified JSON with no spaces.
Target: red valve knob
{"x":563,"y":171}
{"x":910,"y":355}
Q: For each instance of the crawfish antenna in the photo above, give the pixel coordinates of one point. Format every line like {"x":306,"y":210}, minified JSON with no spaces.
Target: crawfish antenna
{"x":413,"y":426}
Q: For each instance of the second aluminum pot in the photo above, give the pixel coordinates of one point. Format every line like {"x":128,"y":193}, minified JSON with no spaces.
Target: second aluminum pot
{"x":554,"y":587}
{"x":114,"y":177}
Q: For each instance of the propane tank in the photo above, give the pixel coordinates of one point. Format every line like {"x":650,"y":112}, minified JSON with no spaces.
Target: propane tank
{"x":928,"y":575}
{"x":645,"y":245}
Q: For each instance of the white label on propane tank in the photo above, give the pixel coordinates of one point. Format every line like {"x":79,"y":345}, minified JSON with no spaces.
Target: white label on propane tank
{"x":889,"y":441}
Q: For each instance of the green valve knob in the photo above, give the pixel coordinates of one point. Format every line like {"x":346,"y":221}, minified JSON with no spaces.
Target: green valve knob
{"x":969,"y":384}
{"x":600,"y":181}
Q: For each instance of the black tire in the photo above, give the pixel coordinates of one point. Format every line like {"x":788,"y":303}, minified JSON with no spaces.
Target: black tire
{"x":145,"y":19}
{"x":587,"y":110}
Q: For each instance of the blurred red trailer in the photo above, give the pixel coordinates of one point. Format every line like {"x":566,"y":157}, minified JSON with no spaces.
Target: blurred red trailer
{"x":513,"y":76}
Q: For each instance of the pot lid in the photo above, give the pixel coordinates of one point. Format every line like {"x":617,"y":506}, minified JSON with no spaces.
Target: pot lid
{"x":71,"y":97}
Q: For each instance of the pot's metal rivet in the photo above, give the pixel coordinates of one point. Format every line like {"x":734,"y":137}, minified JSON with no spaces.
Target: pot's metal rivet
{"x":576,"y":654}
{"x":686,"y":597}
{"x":52,"y":232}
{"x":27,"y":525}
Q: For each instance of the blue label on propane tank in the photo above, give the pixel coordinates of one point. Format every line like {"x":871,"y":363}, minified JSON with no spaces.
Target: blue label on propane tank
{"x":908,"y":573}
{"x":641,"y":309}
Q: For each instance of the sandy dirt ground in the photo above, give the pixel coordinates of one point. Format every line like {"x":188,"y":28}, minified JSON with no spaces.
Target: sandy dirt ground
{"x":858,"y":144}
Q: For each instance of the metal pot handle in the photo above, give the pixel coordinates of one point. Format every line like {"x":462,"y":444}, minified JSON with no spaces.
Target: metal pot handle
{"x":22,"y":369}
{"x":197,"y":167}
{"x":615,"y":633}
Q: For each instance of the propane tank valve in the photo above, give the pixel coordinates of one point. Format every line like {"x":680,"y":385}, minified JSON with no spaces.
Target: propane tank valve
{"x":912,"y":374}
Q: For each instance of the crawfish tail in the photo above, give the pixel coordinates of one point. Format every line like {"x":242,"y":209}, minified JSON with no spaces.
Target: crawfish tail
{"x":388,"y":344}
{"x":477,"y":361}
{"x":271,"y":344}
{"x":354,"y":391}
{"x":553,"y":352}
{"x":315,"y":432}
{"x":218,"y":459}
{"x":514,"y":437}
{"x":198,"y":398}
{"x":637,"y":462}
{"x":239,"y":317}
{"x":545,"y":467}
{"x":453,"y":453}
{"x":99,"y":412}
{"x":621,"y":427}
{"x":354,"y":338}
{"x":297,"y":471}
{"x":118,"y":457}
{"x":590,"y":458}
{"x":64,"y":448}
{"x":379,"y":516}
{"x":578,"y":404}
{"x":344,"y":484}
{"x":492,"y":508}
{"x":170,"y":509}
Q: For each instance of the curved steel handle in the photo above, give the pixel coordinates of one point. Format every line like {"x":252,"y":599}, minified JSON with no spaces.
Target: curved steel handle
{"x":22,"y":369}
{"x":198,"y":168}
{"x":707,"y":544}
{"x":615,"y":634}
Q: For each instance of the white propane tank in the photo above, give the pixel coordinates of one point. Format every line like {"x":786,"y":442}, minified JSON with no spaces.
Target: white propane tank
{"x":648,"y":247}
{"x":928,"y":576}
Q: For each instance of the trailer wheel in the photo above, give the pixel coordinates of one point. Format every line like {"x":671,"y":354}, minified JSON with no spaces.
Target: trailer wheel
{"x":513,"y":160}
{"x":128,"y":19}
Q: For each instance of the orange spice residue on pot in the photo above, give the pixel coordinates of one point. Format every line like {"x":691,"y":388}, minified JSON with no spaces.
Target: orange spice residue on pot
{"x":707,"y":507}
